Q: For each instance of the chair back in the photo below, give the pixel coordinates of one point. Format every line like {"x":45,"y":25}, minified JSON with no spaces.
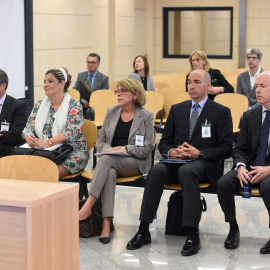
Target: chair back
{"x":74,"y":93}
{"x":113,"y":85}
{"x":90,"y":133}
{"x":100,"y":100}
{"x":31,"y":168}
{"x":237,"y":103}
{"x":154,"y":102}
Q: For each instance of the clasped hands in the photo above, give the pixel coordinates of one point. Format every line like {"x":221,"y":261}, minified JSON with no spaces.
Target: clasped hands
{"x":257,"y":174}
{"x":33,"y":141}
{"x":185,"y":151}
{"x":116,"y":149}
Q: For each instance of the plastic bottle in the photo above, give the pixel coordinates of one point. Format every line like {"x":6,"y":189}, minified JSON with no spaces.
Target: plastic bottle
{"x":246,"y":193}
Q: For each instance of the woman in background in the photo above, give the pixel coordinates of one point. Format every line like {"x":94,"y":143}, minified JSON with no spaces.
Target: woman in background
{"x":141,"y":73}
{"x":198,"y":60}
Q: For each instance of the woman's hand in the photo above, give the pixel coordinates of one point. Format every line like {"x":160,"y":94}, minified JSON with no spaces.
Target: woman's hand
{"x":41,"y":144}
{"x":30,"y":139}
{"x":116,"y":149}
{"x":215,"y":90}
{"x":157,"y":90}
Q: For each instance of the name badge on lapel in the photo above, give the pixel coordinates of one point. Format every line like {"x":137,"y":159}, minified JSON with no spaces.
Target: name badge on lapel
{"x":5,"y":126}
{"x":206,"y":130}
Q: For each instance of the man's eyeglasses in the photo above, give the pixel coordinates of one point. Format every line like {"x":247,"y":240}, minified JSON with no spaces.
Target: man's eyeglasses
{"x":120,"y":91}
{"x":91,"y":63}
{"x":252,"y":57}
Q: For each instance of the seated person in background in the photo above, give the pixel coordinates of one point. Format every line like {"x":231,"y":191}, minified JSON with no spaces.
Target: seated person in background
{"x":96,"y":79}
{"x":127,"y":128}
{"x":12,"y":118}
{"x":246,"y":80}
{"x":58,"y":119}
{"x":198,"y":60}
{"x":251,"y":161}
{"x":141,"y":73}
{"x":183,"y":137}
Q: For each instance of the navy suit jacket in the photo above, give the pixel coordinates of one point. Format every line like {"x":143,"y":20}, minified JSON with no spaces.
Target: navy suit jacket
{"x":214,"y":149}
{"x":13,"y":112}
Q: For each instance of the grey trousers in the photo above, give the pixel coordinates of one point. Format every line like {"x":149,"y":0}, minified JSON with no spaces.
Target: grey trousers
{"x":104,"y":179}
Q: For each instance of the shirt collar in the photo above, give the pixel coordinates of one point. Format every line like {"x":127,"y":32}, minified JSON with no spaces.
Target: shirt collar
{"x":2,"y":100}
{"x":257,"y":73}
{"x":93,"y":75}
{"x":201,"y":103}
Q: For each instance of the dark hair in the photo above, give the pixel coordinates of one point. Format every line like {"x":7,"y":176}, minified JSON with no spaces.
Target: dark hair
{"x":93,"y":55}
{"x":146,"y":65}
{"x":3,"y":78}
{"x":60,"y":76}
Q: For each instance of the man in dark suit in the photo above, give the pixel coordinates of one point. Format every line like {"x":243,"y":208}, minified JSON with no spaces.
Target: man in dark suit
{"x":251,"y":161}
{"x":96,"y":79}
{"x":195,"y":129}
{"x":12,"y":118}
{"x":246,"y":80}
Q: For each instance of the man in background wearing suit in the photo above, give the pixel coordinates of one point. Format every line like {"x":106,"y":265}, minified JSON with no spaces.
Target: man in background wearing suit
{"x":96,"y":79}
{"x":199,"y":129}
{"x":12,"y":118}
{"x":251,"y":161}
{"x":246,"y":80}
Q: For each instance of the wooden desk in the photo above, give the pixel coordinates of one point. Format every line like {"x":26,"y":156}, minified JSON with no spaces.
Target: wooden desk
{"x":39,"y":228}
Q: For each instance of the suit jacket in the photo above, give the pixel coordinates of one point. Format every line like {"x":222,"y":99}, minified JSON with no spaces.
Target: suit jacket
{"x":142,"y":124}
{"x":244,"y":87}
{"x":217,"y":79}
{"x":101,"y":81}
{"x":150,"y":82}
{"x":13,"y":112}
{"x":214,"y":149}
{"x":249,"y":138}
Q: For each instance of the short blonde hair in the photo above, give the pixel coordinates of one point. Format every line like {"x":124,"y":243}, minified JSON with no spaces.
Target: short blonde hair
{"x":201,"y":54}
{"x":134,"y":87}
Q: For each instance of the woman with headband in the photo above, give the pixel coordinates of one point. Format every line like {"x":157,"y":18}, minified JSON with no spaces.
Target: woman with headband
{"x":58,"y":119}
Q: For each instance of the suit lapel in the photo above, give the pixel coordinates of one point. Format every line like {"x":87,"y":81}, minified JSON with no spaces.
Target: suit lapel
{"x":5,"y":109}
{"x":248,"y":81}
{"x":94,"y":86}
{"x":186,"y":115}
{"x":256,"y":126}
{"x":114,"y":118}
{"x":136,"y":122}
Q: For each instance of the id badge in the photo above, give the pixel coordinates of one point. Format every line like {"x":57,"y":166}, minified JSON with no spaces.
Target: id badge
{"x":5,"y":126}
{"x":139,"y":140}
{"x":206,"y":130}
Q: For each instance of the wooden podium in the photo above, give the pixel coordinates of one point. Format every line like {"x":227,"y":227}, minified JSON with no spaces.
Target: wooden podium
{"x":39,"y":228}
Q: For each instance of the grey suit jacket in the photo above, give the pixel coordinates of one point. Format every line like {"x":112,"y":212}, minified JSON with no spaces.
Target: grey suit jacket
{"x":101,"y":81}
{"x":244,"y":87}
{"x":142,"y":124}
{"x":150,"y":82}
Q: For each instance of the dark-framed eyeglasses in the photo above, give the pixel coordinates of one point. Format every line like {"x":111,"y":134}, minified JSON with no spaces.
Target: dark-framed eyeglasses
{"x":120,"y":91}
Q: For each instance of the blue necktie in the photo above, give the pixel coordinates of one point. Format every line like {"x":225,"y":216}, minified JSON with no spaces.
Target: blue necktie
{"x":263,"y":140}
{"x":193,"y":119}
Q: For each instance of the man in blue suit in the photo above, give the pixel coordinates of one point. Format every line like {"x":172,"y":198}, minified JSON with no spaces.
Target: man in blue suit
{"x":198,"y":129}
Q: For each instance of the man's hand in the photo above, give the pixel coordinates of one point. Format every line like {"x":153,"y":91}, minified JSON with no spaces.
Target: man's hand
{"x":260,"y":173}
{"x":185,"y":151}
{"x":243,"y":175}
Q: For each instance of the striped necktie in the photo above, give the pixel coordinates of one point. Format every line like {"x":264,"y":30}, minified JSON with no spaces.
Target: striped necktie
{"x":193,"y":119}
{"x":263,"y":140}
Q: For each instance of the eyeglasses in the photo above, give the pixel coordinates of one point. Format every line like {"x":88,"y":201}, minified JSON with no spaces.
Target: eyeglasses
{"x":252,"y":57}
{"x":91,"y":63}
{"x":196,"y":60}
{"x":120,"y":91}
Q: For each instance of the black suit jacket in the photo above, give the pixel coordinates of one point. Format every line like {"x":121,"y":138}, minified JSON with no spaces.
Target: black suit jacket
{"x":215,"y":149}
{"x":249,"y":138}
{"x":217,"y":79}
{"x":13,"y":112}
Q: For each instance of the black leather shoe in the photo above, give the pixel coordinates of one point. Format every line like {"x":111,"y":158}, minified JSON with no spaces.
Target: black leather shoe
{"x":191,"y":248}
{"x":266,"y":248}
{"x":104,"y":240}
{"x":232,"y":240}
{"x":138,"y":241}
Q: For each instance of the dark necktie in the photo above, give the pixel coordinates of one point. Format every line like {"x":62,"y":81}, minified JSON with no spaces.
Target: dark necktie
{"x":263,"y":140}
{"x":193,"y":119}
{"x":90,"y":80}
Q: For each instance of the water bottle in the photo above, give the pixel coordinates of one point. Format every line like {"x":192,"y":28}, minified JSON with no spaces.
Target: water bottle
{"x":246,"y":193}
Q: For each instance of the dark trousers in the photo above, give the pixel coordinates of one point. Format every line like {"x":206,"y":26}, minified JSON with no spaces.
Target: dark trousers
{"x":189,"y":176}
{"x":229,"y":184}
{"x":5,"y":150}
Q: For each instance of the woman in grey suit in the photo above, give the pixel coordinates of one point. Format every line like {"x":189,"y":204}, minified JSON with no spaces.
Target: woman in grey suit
{"x":141,"y":73}
{"x":127,"y":139}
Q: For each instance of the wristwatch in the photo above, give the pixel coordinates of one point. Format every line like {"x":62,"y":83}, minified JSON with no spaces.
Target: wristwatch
{"x":124,"y":147}
{"x":201,"y":155}
{"x":50,"y":143}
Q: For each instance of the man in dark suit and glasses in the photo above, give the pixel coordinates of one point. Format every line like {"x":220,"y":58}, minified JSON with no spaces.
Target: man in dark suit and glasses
{"x":13,"y":118}
{"x":251,"y":161}
{"x":185,"y":137}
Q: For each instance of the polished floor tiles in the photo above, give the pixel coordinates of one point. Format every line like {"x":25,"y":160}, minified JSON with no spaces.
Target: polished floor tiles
{"x":164,"y":251}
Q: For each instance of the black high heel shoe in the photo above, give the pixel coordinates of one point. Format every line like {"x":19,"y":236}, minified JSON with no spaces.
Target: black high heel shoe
{"x":105,"y":240}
